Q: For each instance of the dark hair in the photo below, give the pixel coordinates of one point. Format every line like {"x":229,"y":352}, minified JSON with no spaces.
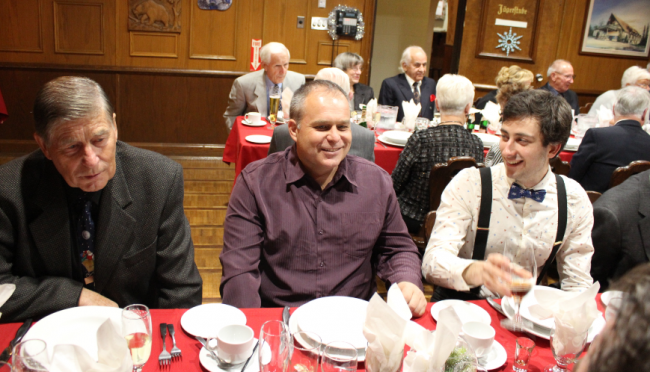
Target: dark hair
{"x":552,"y":113}
{"x":300,"y":96}
{"x":626,"y":346}
{"x":68,"y":98}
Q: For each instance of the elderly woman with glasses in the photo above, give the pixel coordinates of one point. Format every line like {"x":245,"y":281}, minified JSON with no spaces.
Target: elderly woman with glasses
{"x":352,"y":65}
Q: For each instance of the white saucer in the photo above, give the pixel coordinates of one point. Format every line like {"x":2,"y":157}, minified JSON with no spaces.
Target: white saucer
{"x":260,"y":123}
{"x":496,"y":357}
{"x":387,"y":141}
{"x":258,"y":138}
{"x":469,"y":310}
{"x":253,"y":365}
{"x":206,"y":320}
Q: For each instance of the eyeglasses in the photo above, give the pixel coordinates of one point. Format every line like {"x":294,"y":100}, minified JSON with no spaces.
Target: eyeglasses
{"x":643,"y":85}
{"x":567,"y":76}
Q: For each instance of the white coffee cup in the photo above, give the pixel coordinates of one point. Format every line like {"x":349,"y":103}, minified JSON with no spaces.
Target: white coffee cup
{"x":479,"y":336}
{"x":253,"y":117}
{"x":235,"y":343}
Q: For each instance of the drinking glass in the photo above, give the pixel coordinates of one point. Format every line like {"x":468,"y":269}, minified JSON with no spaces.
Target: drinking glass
{"x":387,"y":119}
{"x":566,"y":345}
{"x":275,"y":348}
{"x":274,"y":105}
{"x":523,"y":351}
{"x":136,"y":329}
{"x":421,"y":123}
{"x":339,"y":356}
{"x":305,"y":356}
{"x":521,"y":257}
{"x":30,"y":356}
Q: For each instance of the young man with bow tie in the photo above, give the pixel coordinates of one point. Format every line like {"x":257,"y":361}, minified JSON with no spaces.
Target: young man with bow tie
{"x":520,"y":202}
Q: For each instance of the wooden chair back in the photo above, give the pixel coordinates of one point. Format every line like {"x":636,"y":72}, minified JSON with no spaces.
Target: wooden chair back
{"x":558,"y":166}
{"x":593,"y":196}
{"x":622,"y":173}
{"x":441,"y":175}
{"x":428,"y":225}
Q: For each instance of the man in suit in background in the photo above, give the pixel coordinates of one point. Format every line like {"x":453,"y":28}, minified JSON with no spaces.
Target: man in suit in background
{"x":250,"y":93}
{"x":412,"y":84}
{"x":560,"y":77}
{"x":602,"y":150}
{"x":621,"y":232}
{"x":88,"y":220}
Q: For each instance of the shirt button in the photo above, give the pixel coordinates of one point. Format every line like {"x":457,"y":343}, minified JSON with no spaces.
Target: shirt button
{"x":320,"y":232}
{"x":322,"y":264}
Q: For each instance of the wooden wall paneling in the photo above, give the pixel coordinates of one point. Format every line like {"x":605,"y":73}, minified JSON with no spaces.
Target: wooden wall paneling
{"x":21,"y":28}
{"x":215,"y":34}
{"x":325,"y":51}
{"x":280,"y":24}
{"x":78,"y":27}
{"x":366,"y":43}
{"x":153,"y":44}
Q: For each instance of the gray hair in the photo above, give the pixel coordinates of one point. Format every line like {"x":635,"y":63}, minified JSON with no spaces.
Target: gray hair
{"x":334,"y":75}
{"x":347,"y":60}
{"x":300,"y":96}
{"x":632,"y":101}
{"x":68,"y":98}
{"x":406,"y":56}
{"x":454,"y":93}
{"x":555,"y":66}
{"x":634,"y":74}
{"x":272,"y":48}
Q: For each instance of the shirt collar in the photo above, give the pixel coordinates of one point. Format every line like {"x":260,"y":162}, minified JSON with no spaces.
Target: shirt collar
{"x":269,"y":83}
{"x":541,"y":185}
{"x":294,"y":171}
{"x":73,"y":194}
{"x":411,"y":81}
{"x":552,"y":90}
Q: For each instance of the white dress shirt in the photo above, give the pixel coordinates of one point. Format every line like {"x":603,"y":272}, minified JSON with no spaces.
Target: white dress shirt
{"x":522,"y":221}
{"x":411,"y":81}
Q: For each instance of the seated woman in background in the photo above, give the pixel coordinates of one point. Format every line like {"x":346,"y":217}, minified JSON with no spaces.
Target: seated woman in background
{"x":513,"y":76}
{"x":352,"y":65}
{"x":511,"y":80}
{"x":428,"y":147}
{"x":634,"y":75}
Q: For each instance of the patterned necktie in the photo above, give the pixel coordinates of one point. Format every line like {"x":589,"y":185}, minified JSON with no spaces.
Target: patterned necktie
{"x":416,"y":93}
{"x":86,"y":239}
{"x":517,"y":192}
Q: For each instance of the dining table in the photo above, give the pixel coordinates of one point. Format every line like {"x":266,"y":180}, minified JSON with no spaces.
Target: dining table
{"x":541,"y":357}
{"x":242,"y":152}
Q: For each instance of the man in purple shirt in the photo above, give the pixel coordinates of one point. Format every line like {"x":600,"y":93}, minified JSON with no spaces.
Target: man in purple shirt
{"x":311,"y":221}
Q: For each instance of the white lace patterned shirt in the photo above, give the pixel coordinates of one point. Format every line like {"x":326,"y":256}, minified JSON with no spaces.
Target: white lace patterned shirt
{"x":521,"y":221}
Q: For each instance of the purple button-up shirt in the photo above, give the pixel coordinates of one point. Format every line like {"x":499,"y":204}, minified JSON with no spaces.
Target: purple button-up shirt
{"x":287,"y":242}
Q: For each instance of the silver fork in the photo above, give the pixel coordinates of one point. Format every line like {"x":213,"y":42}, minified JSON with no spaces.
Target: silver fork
{"x":176,"y":352}
{"x":165,"y":358}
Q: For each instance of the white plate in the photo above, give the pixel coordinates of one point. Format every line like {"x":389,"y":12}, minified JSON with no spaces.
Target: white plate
{"x":301,"y":312}
{"x":253,"y":365}
{"x":258,"y":138}
{"x":545,"y":333}
{"x":397,"y":136}
{"x":335,"y":318}
{"x":488,"y":140}
{"x":75,"y":326}
{"x":470,"y":311}
{"x":607,"y":296}
{"x":387,"y":141}
{"x":572,"y":144}
{"x":496,"y":357}
{"x":530,"y":300}
{"x":206,"y":320}
{"x":260,"y":123}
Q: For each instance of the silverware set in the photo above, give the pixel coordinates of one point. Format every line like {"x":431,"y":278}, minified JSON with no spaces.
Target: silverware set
{"x":165,"y":358}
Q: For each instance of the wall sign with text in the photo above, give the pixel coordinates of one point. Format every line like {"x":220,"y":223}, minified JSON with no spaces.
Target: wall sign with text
{"x":508,"y":29}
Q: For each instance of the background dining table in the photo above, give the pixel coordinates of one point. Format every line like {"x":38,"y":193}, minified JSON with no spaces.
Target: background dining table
{"x":541,"y":356}
{"x":242,"y":152}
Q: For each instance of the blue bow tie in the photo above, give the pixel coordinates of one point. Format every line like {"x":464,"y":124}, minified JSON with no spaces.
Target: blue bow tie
{"x":517,"y":192}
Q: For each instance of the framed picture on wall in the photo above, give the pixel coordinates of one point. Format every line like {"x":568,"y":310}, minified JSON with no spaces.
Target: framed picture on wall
{"x":617,"y":28}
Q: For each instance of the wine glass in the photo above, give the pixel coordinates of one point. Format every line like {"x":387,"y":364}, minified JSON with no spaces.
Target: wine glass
{"x":276,"y":346}
{"x":339,"y":356}
{"x":136,"y":329}
{"x":566,"y":345}
{"x":274,"y":105}
{"x":521,"y":258}
{"x":30,"y":355}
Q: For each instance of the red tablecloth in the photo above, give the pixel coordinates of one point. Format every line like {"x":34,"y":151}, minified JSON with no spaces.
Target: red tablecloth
{"x":256,"y":317}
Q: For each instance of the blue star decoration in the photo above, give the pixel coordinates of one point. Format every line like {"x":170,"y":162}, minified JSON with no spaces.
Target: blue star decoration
{"x":508,"y":42}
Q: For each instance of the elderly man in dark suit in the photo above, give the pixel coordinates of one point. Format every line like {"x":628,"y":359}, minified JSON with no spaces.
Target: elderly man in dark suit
{"x":560,"y":77}
{"x":621,"y":232}
{"x":602,"y":150}
{"x":412,"y":84}
{"x":89,"y":220}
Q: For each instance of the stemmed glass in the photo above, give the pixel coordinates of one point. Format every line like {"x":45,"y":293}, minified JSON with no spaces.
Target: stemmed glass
{"x":274,"y":105}
{"x":566,"y":345}
{"x":136,"y":329}
{"x":339,"y":356}
{"x":521,"y":258}
{"x":276,"y":346}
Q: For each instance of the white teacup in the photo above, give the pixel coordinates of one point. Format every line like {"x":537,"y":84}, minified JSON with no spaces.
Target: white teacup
{"x":235,"y":343}
{"x":253,"y":117}
{"x":479,"y":336}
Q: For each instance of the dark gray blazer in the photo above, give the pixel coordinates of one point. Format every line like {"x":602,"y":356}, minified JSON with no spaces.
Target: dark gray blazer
{"x":362,"y":95}
{"x":143,"y":249}
{"x":363,"y":141}
{"x":621,"y":232}
{"x":570,"y":96}
{"x":396,"y":90}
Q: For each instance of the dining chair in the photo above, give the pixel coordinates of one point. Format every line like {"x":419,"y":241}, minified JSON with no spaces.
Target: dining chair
{"x":622,"y":173}
{"x":559,"y":166}
{"x":593,"y":196}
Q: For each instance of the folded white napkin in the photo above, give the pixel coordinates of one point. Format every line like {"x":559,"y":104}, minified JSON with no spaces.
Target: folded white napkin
{"x":371,"y":109}
{"x":429,"y":352}
{"x":287,"y":95}
{"x":492,"y":113}
{"x":411,"y":111}
{"x":112,"y":351}
{"x":384,"y":330}
{"x":6,"y":290}
{"x":605,"y":115}
{"x":550,"y":303}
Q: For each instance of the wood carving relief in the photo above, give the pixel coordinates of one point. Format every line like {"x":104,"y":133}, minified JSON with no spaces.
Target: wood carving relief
{"x":155,"y":15}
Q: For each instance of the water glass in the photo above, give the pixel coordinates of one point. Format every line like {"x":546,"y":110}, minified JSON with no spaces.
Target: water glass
{"x":566,"y":345}
{"x":523,"y":352}
{"x":136,"y":329}
{"x":305,"y":357}
{"x":275,"y":347}
{"x":30,"y":355}
{"x":339,"y":356}
{"x":421,"y":123}
{"x":387,"y":119}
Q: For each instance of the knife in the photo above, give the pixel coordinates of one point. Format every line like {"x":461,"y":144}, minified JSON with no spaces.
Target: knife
{"x":6,"y":354}
{"x":285,"y":316}
{"x":496,"y":306}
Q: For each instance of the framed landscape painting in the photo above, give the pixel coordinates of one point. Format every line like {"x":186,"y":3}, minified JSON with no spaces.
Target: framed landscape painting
{"x":618,"y":28}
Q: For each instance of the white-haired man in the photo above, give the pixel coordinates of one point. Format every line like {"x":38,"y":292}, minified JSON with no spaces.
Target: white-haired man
{"x":602,"y":150}
{"x":250,"y":93}
{"x":560,"y":77}
{"x":634,"y":75}
{"x":412,"y":84}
